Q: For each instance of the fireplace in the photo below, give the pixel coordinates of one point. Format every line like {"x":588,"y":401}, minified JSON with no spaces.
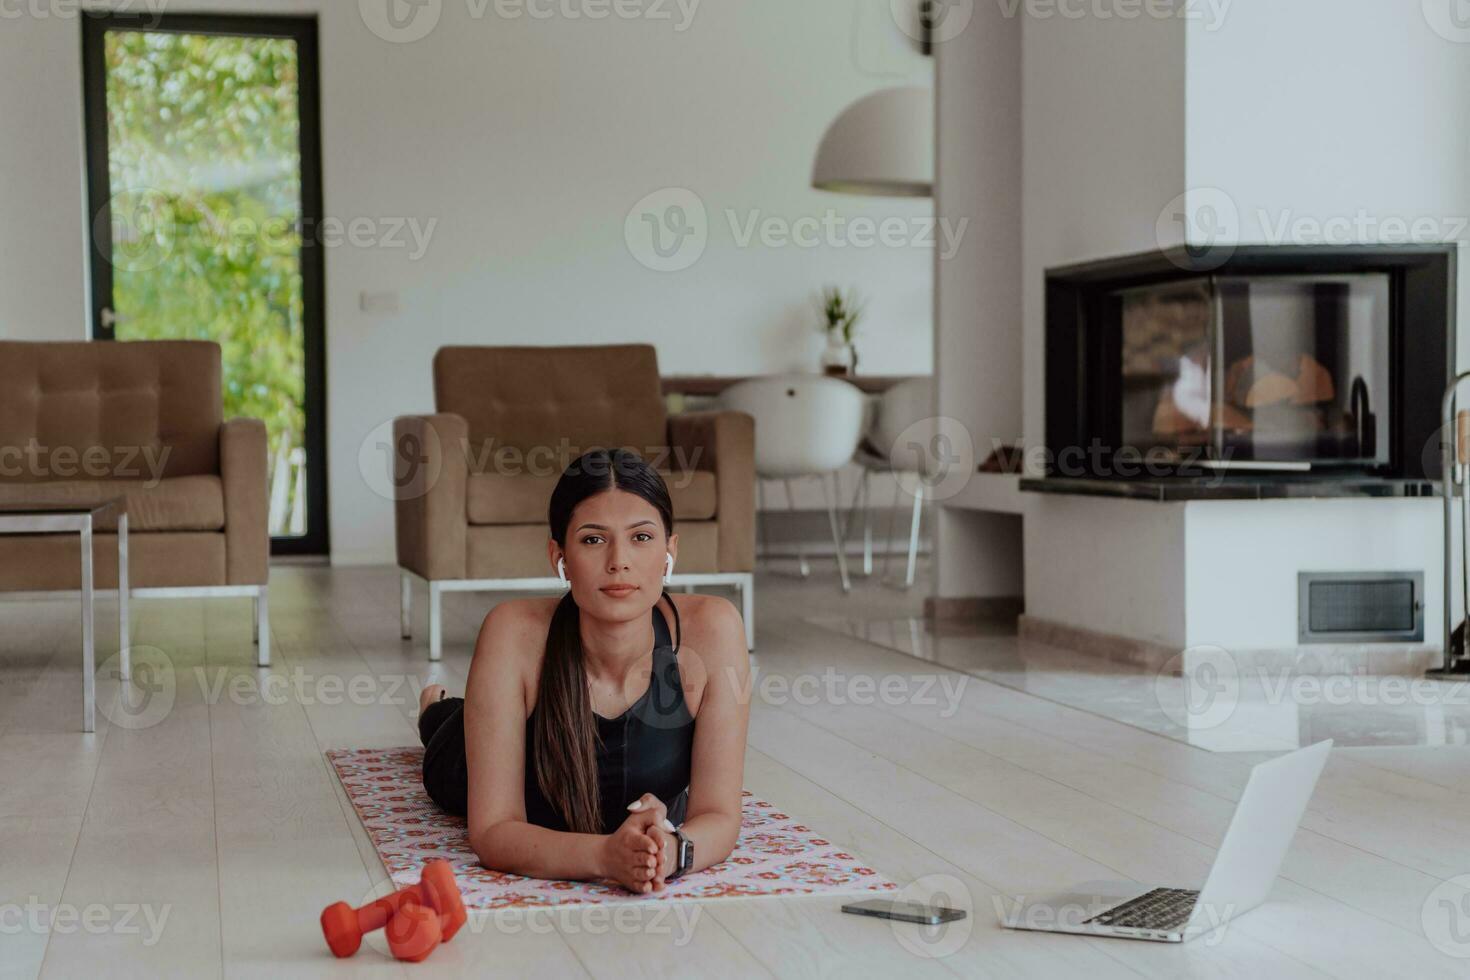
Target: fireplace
{"x":1314,"y":368}
{"x":1281,"y":370}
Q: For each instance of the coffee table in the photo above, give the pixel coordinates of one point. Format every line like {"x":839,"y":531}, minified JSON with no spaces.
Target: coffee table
{"x":80,"y":519}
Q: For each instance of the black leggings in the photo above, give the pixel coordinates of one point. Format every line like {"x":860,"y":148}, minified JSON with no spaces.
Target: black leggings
{"x":446,"y":774}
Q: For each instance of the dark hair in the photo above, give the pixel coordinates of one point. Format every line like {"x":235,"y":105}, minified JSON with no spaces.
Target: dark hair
{"x":565,"y":737}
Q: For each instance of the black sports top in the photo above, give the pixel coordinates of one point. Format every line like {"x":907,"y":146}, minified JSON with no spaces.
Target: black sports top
{"x":646,"y":749}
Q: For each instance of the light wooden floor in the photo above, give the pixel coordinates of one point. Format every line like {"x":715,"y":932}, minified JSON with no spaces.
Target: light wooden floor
{"x":224,"y":817}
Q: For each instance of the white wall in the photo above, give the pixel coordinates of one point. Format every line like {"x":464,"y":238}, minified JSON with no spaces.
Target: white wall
{"x":1104,"y":124}
{"x":1321,"y":109}
{"x":1103,"y":119}
{"x":42,"y":215}
{"x":1318,"y":109}
{"x":978,"y":299}
{"x":1311,"y":120}
{"x":529,"y":141}
{"x":1242,"y":559}
{"x":1108,"y":565}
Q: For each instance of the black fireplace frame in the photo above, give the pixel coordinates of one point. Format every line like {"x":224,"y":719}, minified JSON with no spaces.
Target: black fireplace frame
{"x":1080,"y":408}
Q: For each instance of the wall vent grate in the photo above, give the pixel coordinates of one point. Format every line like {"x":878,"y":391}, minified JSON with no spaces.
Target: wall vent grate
{"x":1360,"y":607}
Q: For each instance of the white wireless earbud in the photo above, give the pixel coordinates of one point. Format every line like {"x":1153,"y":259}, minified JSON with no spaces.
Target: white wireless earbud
{"x":668,"y":568}
{"x":561,"y":571}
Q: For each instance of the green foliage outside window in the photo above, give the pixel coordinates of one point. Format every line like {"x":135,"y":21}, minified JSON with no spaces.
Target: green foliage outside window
{"x":204,"y":161}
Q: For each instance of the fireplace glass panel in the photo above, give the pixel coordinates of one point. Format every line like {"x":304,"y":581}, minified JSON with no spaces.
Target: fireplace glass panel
{"x":1265,"y":369}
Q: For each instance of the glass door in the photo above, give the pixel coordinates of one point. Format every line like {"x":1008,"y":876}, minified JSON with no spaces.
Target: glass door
{"x":204,"y":167}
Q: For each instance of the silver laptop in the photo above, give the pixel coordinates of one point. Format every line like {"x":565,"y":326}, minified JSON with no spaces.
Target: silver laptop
{"x":1245,"y":867}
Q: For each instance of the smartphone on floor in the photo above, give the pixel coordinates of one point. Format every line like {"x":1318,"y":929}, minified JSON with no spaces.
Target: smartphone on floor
{"x":924,"y":915}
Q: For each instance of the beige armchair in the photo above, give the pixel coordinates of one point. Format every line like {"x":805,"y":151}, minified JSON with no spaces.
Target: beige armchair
{"x":87,"y":421}
{"x":474,"y":479}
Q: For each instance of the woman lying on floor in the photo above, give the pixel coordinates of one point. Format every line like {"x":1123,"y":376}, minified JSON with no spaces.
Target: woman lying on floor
{"x":593,"y":741}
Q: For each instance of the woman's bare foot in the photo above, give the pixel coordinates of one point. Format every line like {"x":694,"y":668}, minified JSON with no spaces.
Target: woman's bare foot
{"x":430,"y":694}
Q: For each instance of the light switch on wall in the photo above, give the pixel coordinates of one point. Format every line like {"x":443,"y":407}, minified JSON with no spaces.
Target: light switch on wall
{"x":379,"y":302}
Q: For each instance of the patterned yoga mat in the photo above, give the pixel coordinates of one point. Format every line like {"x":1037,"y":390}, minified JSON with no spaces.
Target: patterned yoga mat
{"x":775,"y":854}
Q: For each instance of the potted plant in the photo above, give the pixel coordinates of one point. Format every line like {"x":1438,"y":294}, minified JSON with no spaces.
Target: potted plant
{"x":841,"y":313}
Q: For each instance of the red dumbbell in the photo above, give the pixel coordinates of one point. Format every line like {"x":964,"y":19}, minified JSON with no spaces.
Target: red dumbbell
{"x":414,"y":932}
{"x":436,"y":895}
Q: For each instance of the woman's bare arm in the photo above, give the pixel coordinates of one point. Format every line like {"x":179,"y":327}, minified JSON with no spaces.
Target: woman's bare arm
{"x":712,"y":819}
{"x":495,"y":752}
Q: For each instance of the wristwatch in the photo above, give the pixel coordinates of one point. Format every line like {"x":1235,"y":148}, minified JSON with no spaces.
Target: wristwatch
{"x":684,"y":859}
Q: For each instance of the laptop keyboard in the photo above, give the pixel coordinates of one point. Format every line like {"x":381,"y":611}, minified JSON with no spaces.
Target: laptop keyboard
{"x":1162,"y":908}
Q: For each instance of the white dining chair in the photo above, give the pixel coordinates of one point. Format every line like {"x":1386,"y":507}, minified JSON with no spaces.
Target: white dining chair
{"x":807,"y":426}
{"x":895,"y":443}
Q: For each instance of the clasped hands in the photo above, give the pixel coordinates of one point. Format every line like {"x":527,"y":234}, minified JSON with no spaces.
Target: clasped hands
{"x":641,"y":853}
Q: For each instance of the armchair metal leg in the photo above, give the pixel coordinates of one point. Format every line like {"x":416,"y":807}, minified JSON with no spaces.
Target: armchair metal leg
{"x":747,"y":609}
{"x":888,"y":539}
{"x":760,"y":523}
{"x":263,"y":627}
{"x":791,"y":507}
{"x":255,"y":618}
{"x":436,"y":626}
{"x":89,"y":650}
{"x":830,"y":486}
{"x":405,"y":606}
{"x":124,"y":635}
{"x":860,"y":493}
{"x":908,"y":581}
